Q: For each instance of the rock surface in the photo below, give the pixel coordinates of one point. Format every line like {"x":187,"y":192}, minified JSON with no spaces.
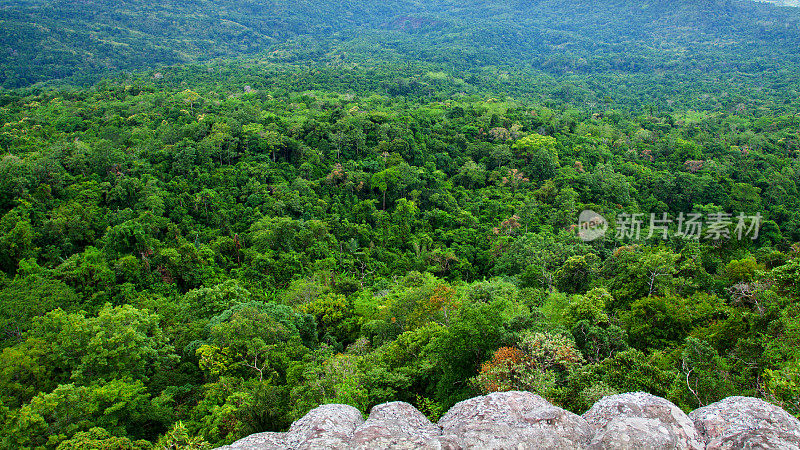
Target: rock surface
{"x":746,"y":422}
{"x":522,"y":420}
{"x":328,"y":426}
{"x":259,"y":441}
{"x":640,"y":420}
{"x":513,"y":420}
{"x":396,"y":425}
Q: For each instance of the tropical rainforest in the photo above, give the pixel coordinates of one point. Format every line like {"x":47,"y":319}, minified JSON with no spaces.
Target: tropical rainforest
{"x":216,"y":216}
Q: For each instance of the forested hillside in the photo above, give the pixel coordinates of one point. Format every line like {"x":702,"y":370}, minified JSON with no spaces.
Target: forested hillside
{"x":677,"y":40}
{"x":216,"y":216}
{"x":210,"y":262}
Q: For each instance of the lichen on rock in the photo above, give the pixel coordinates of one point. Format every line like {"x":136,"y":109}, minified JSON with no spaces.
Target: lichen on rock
{"x":746,"y":422}
{"x":639,"y":420}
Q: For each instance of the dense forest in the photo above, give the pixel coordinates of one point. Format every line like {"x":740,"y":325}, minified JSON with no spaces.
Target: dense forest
{"x":191,"y":253}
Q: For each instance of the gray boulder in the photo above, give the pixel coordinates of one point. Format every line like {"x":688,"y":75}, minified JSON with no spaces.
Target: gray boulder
{"x":513,"y":420}
{"x":639,"y":420}
{"x":397,"y":425}
{"x":327,"y":426}
{"x":746,"y":423}
{"x":259,"y":441}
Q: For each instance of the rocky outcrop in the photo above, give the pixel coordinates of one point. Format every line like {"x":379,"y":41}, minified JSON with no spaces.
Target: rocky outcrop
{"x":746,"y":422}
{"x":522,"y":420}
{"x":513,"y":420}
{"x":639,"y":420}
{"x":260,"y":440}
{"x":328,"y":426}
{"x":396,"y":425}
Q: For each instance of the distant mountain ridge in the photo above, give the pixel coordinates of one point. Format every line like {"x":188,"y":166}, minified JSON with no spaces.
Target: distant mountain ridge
{"x":51,"y":39}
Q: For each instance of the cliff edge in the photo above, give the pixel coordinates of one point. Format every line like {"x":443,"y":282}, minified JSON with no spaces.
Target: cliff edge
{"x":522,"y":420}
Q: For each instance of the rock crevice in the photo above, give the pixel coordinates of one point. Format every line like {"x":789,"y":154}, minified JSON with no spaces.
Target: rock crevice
{"x":522,"y":420}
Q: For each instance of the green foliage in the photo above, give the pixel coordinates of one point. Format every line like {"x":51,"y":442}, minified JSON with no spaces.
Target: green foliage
{"x":540,"y":154}
{"x":331,"y":378}
{"x":178,"y":438}
{"x":591,"y":327}
{"x":207,"y":302}
{"x":704,"y":377}
{"x":16,"y":239}
{"x":655,"y":323}
{"x":576,"y":274}
{"x":741,"y":271}
{"x":784,"y":386}
{"x":340,"y":226}
{"x":334,"y":319}
{"x":555,"y":310}
{"x":462,"y":346}
{"x":119,"y":407}
{"x":540,"y":363}
{"x":118,"y":343}
{"x":232,"y":408}
{"x":640,"y":273}
{"x":787,"y":276}
{"x":99,"y":439}
{"x":590,"y":307}
{"x":256,"y":340}
{"x":631,"y":371}
{"x":472,"y":48}
{"x":432,"y":410}
{"x":30,"y":296}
